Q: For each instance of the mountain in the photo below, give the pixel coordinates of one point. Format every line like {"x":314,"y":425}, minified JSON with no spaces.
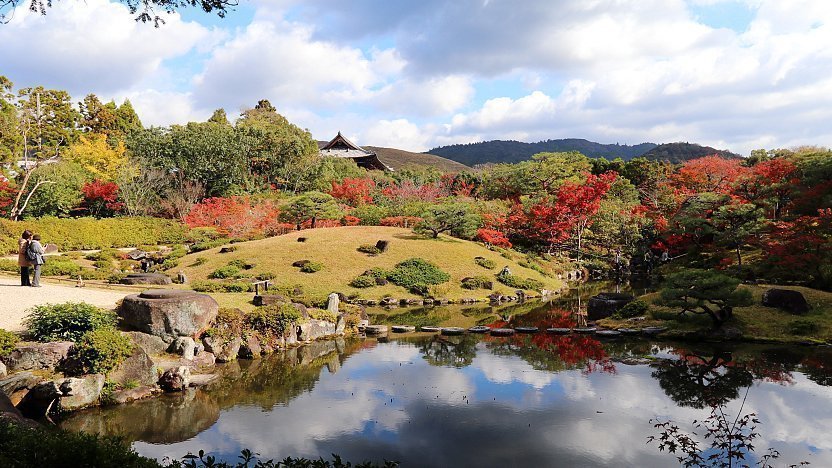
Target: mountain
{"x":681,"y":152}
{"x":502,"y":151}
{"x":398,"y":159}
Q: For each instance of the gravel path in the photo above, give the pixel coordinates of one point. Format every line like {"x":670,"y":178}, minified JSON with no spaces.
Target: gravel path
{"x":15,"y":300}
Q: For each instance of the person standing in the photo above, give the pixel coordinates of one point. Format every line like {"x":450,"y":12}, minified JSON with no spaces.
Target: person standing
{"x":35,"y":255}
{"x":22,"y":260}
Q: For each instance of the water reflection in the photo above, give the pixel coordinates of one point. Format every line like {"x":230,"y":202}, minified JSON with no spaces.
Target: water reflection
{"x":529,"y":400}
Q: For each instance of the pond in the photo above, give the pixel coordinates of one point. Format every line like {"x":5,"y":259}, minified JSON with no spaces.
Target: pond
{"x":472,"y":400}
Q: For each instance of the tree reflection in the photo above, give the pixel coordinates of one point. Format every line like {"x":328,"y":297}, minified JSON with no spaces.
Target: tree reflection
{"x":700,"y":381}
{"x":818,"y":368}
{"x":450,"y":351}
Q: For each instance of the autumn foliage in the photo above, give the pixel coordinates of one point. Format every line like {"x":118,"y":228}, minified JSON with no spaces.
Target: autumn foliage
{"x":238,"y":217}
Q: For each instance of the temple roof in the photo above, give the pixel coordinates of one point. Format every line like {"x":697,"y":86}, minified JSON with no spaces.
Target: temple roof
{"x":342,"y":147}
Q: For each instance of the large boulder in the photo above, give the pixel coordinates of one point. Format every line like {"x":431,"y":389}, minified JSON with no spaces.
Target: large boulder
{"x":151,"y":344}
{"x":786,"y":299}
{"x":157,"y":279}
{"x":40,"y":400}
{"x":138,"y":368}
{"x":38,"y":356}
{"x":605,"y":304}
{"x":250,"y":348}
{"x":269,"y":299}
{"x":184,"y":346}
{"x":81,"y":392}
{"x":223,"y":350}
{"x":314,"y":329}
{"x":169,"y":313}
{"x":17,"y":382}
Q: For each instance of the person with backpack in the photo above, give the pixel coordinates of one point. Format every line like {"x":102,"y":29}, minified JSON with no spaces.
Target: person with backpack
{"x":35,"y":254}
{"x":22,"y":259}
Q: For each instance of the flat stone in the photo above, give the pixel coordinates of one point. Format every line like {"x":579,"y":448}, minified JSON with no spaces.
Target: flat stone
{"x":37,"y":356}
{"x":201,"y":380}
{"x":269,"y":299}
{"x":18,"y":381}
{"x":169,"y":313}
{"x":157,"y":279}
{"x":81,"y":392}
{"x":204,"y":359}
{"x":183,"y":346}
{"x":121,"y":397}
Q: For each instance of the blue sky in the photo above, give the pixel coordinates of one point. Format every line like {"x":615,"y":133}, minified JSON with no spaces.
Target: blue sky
{"x":732,"y":74}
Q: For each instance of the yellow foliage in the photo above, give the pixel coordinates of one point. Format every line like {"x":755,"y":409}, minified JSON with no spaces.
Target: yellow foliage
{"x":95,"y":154}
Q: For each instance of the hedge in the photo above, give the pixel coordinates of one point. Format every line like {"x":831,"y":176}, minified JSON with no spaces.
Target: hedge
{"x":91,"y":233}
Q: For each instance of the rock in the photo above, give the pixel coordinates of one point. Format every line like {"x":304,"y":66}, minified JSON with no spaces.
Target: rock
{"x":388,"y":301}
{"x":605,"y":304}
{"x":224,"y":351}
{"x":81,"y":392}
{"x":9,"y":413}
{"x":315,"y":329}
{"x":725,"y":334}
{"x":168,"y":313}
{"x":300,"y":263}
{"x":121,"y":397}
{"x":138,"y":368}
{"x":382,"y":281}
{"x":269,"y":299}
{"x":17,"y":382}
{"x":204,"y":359}
{"x":40,"y":400}
{"x":228,"y":249}
{"x":3,"y":371}
{"x":333,"y":302}
{"x":37,"y":356}
{"x":786,"y":299}
{"x":175,"y":379}
{"x":50,"y":248}
{"x":340,"y":325}
{"x":152,"y":345}
{"x":202,"y":380}
{"x":183,"y":346}
{"x":181,"y":278}
{"x":250,"y":348}
{"x":301,"y":309}
{"x":199,"y":347}
{"x":146,"y":278}
{"x":136,"y":254}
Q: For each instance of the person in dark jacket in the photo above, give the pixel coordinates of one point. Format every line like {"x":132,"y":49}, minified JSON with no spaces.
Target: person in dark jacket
{"x":36,"y":251}
{"x":22,"y":261}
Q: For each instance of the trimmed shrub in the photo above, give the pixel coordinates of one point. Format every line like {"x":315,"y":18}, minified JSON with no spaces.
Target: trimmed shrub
{"x":312,"y":267}
{"x":363,"y":281}
{"x":265,"y":276}
{"x":228,"y":324}
{"x":228,"y":271}
{"x":100,"y":351}
{"x":323,"y":314}
{"x":9,"y":265}
{"x":272,"y":320}
{"x":417,"y":274}
{"x":60,"y":266}
{"x":514,"y":281}
{"x":199,"y":261}
{"x":636,"y":308}
{"x":217,"y":287}
{"x":7,"y":342}
{"x":477,"y":282}
{"x":803,"y":327}
{"x":68,"y":321}
{"x":242,"y":264}
{"x":369,"y":249}
{"x":207,"y":245}
{"x":485,"y":263}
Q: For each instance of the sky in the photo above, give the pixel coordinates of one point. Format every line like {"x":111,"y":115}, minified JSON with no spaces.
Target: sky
{"x":732,"y":74}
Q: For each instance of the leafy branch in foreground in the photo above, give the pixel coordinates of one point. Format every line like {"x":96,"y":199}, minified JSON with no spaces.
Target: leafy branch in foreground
{"x":730,"y":441}
{"x":147,"y":7}
{"x":248,"y":459}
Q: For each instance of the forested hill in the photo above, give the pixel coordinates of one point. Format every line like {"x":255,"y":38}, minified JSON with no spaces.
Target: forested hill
{"x":502,"y":151}
{"x":681,"y":152}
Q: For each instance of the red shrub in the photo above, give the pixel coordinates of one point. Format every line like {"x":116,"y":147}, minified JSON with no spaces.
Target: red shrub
{"x":238,"y":217}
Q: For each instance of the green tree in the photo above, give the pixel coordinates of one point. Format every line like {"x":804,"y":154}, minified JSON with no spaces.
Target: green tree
{"x":48,"y":118}
{"x":311,"y":206}
{"x":97,"y":117}
{"x":704,"y":292}
{"x":219,"y":117}
{"x":455,"y":218}
{"x":127,"y":120}
{"x":736,"y":223}
{"x":145,"y":10}
{"x":11,"y":138}
{"x":56,"y":190}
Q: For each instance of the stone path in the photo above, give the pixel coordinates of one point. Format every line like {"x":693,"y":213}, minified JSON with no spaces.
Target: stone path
{"x":15,"y":300}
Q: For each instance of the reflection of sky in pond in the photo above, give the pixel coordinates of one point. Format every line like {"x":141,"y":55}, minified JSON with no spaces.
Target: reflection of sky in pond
{"x":389,"y":402}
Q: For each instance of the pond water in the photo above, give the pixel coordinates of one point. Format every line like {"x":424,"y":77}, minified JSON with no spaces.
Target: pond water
{"x":528,"y":400}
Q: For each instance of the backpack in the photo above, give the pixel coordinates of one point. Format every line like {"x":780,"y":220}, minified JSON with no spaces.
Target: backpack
{"x":31,"y":255}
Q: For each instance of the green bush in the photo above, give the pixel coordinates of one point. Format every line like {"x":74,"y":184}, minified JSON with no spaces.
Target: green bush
{"x":485,"y":263}
{"x":370,"y":214}
{"x":273,"y":320}
{"x":199,"y":261}
{"x":417,"y":274}
{"x":312,"y":267}
{"x":91,"y":233}
{"x":60,"y":266}
{"x":803,"y":327}
{"x":514,"y":281}
{"x":363,"y":281}
{"x":100,"y":351}
{"x":7,"y":342}
{"x":68,"y":321}
{"x":228,"y":271}
{"x":207,"y":245}
{"x":265,"y":276}
{"x":217,"y":287}
{"x":242,"y":264}
{"x":9,"y":265}
{"x":104,"y":254}
{"x":477,"y":282}
{"x":323,"y":314}
{"x":636,"y":308}
{"x":369,"y":249}
{"x":89,"y":274}
{"x":228,"y":324}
